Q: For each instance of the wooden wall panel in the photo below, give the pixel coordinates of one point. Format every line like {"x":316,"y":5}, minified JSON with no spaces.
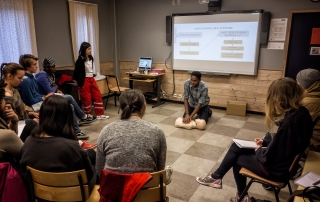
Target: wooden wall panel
{"x":251,"y":89}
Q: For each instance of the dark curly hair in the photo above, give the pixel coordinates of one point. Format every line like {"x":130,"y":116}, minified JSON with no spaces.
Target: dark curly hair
{"x":2,"y":91}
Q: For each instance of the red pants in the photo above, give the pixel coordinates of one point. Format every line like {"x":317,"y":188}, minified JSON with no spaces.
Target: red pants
{"x":90,"y":93}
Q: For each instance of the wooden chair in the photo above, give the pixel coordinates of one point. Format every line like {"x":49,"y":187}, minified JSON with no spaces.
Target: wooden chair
{"x":154,"y":190}
{"x":113,"y":89}
{"x":276,"y":186}
{"x":61,"y":186}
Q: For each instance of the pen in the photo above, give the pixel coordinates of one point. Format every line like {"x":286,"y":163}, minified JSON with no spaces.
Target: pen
{"x":316,"y":182}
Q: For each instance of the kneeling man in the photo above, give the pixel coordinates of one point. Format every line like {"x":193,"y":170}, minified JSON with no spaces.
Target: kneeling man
{"x":196,"y":101}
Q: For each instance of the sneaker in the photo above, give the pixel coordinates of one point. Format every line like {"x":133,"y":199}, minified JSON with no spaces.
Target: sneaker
{"x":210,"y":112}
{"x":102,"y":117}
{"x":86,"y":145}
{"x":209,"y":181}
{"x":88,"y":120}
{"x":81,"y":135}
{"x":169,"y":171}
{"x":236,"y":198}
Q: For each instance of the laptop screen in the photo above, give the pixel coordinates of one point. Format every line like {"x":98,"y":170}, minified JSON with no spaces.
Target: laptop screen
{"x":145,"y":63}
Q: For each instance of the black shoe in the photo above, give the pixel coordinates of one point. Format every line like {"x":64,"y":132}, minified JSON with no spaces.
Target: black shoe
{"x":210,"y":112}
{"x":81,"y":135}
{"x":87,"y":120}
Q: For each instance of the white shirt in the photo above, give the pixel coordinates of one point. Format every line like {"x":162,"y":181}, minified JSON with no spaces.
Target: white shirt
{"x":88,"y":68}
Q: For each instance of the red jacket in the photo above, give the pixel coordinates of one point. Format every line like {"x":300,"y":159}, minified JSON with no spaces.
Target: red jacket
{"x":12,"y":188}
{"x":118,"y":187}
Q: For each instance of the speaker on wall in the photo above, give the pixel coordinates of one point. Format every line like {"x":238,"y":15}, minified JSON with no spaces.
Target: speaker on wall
{"x":264,"y":34}
{"x":214,"y":5}
{"x":168,"y":29}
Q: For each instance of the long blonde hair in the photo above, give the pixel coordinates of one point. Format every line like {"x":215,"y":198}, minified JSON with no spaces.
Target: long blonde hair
{"x":283,"y":95}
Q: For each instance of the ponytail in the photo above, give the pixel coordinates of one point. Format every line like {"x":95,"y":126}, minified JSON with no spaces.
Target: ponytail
{"x":131,"y":101}
{"x":1,"y":70}
{"x":126,"y":112}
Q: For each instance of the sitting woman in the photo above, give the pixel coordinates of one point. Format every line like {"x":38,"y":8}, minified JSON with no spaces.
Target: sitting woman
{"x":273,"y":157}
{"x":10,"y":147}
{"x":54,"y":147}
{"x":131,"y":144}
{"x":12,"y":74}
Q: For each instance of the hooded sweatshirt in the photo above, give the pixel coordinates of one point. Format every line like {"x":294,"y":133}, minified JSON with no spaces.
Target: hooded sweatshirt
{"x":312,"y":102}
{"x":45,"y":84}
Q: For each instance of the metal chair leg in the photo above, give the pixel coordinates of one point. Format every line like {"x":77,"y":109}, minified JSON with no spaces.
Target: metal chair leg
{"x":289,"y":186}
{"x":245,"y":190}
{"x":276,"y":192}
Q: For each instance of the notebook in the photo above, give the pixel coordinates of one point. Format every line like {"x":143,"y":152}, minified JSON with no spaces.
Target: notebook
{"x":308,"y":179}
{"x":245,"y":144}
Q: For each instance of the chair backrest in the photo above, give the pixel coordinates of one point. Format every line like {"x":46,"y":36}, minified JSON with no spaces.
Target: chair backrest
{"x":112,"y":82}
{"x":294,"y":166}
{"x":59,"y":186}
{"x":154,"y":190}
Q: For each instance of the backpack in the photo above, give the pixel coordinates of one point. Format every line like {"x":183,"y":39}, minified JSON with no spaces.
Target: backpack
{"x":312,"y":193}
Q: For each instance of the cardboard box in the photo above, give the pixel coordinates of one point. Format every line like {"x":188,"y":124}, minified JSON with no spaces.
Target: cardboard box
{"x":236,"y":108}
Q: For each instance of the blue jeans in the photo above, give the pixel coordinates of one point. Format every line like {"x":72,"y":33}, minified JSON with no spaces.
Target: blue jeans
{"x":75,"y":121}
{"x":77,"y":112}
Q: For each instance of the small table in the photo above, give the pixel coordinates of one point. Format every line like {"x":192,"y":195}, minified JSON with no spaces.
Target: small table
{"x":148,"y":78}
{"x":312,"y":164}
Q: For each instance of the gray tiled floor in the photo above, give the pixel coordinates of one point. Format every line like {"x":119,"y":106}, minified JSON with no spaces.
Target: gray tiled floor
{"x":193,"y":152}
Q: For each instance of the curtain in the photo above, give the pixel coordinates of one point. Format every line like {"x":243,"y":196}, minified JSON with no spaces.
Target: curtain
{"x":17,"y":31}
{"x":84,"y":26}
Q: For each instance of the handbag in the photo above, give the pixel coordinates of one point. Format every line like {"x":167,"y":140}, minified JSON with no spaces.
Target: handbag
{"x":312,"y":193}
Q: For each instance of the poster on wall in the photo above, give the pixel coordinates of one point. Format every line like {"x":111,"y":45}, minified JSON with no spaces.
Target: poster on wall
{"x":315,"y":51}
{"x":278,"y":29}
{"x":315,"y":36}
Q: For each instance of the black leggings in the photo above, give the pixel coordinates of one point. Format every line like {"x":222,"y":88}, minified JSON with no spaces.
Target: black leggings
{"x":237,"y":158}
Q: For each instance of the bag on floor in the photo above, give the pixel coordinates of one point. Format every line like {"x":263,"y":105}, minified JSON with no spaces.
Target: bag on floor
{"x":312,"y":193}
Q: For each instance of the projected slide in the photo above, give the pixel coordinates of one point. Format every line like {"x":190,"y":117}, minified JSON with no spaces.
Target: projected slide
{"x":227,"y":41}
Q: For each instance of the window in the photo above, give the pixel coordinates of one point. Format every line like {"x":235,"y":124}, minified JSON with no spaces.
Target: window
{"x":17,"y":32}
{"x":85,"y":28}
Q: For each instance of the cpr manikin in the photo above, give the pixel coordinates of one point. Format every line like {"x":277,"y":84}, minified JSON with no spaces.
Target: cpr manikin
{"x":198,"y":123}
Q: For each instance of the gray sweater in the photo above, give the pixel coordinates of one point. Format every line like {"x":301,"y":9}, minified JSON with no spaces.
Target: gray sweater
{"x":10,"y":145}
{"x":131,"y":145}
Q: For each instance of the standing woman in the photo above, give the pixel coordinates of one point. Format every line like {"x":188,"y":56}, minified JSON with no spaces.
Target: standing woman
{"x":84,"y":75}
{"x":13,"y":73}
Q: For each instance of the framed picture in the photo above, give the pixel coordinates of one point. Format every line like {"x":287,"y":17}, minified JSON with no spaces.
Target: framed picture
{"x":315,"y":51}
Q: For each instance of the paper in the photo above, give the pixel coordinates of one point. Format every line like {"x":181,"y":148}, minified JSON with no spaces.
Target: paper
{"x":307,"y":179}
{"x":276,"y":45}
{"x":61,"y":94}
{"x":315,"y":36}
{"x":245,"y":144}
{"x":21,"y":125}
{"x":36,"y":107}
{"x":278,"y":29}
